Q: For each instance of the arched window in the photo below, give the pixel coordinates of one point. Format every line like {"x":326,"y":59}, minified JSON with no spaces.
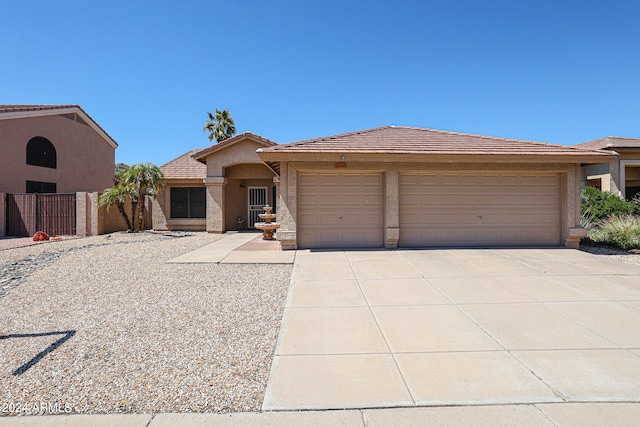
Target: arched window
{"x":41,"y":152}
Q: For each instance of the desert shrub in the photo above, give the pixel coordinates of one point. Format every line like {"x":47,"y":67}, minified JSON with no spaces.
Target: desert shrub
{"x":600,"y":205}
{"x":618,"y":231}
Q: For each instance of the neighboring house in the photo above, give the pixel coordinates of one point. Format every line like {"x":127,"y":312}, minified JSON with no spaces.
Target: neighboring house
{"x":53,"y":149}
{"x":385,"y":187}
{"x":410,"y":187}
{"x":217,"y":189}
{"x":621,"y":175}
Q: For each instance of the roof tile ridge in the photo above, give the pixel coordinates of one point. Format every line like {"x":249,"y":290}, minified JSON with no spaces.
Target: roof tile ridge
{"x":186,"y":155}
{"x":587,"y":149}
{"x":38,"y":106}
{"x":478,"y":135}
{"x":622,"y":137}
{"x":340,"y":135}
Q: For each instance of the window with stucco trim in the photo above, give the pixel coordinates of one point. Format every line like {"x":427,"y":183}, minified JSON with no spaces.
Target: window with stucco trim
{"x":188,"y":202}
{"x":41,"y":152}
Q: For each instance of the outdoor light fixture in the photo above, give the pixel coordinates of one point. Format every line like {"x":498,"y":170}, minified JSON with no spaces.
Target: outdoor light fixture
{"x":342,"y":158}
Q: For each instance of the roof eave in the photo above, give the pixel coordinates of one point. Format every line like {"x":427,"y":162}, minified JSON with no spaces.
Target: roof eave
{"x":386,"y":157}
{"x":202,"y":154}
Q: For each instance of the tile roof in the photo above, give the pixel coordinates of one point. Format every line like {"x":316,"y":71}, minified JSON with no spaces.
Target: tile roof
{"x":11,"y":108}
{"x":610,"y":143}
{"x":411,"y":140}
{"x":184,"y":167}
{"x":26,"y":108}
{"x":200,"y":155}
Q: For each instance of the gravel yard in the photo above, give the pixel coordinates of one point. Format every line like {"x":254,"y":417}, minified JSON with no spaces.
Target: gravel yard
{"x":613,"y":253}
{"x":104,"y":325}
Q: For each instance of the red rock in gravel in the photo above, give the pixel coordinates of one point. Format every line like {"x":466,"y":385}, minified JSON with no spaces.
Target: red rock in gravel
{"x":39,"y":236}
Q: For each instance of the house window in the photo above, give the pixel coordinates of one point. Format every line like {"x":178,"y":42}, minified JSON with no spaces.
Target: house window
{"x":188,"y":202}
{"x":41,"y":187}
{"x":632,"y":181}
{"x":41,"y":152}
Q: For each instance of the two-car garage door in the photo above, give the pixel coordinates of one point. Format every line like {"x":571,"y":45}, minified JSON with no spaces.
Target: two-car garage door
{"x":435,"y":209}
{"x":478,"y":209}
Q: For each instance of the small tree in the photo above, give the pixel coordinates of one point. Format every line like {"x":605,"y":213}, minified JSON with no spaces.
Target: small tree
{"x":221,"y":126}
{"x":117,"y":195}
{"x":121,"y":168}
{"x":148,"y":181}
{"x":139,"y":181}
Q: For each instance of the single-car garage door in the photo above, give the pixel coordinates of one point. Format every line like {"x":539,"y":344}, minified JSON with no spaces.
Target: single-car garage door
{"x":340,"y":210}
{"x":479,"y":209}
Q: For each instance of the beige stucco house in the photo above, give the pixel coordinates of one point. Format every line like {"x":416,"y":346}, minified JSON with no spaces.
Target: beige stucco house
{"x":387,"y":187}
{"x":410,"y":187}
{"x":220,"y":188}
{"x":621,"y":175}
{"x":53,"y":149}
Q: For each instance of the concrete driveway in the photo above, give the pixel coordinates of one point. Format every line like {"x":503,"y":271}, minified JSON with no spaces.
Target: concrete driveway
{"x":370,"y":329}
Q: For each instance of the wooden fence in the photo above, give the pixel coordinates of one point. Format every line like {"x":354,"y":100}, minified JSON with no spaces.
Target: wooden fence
{"x":55,"y":214}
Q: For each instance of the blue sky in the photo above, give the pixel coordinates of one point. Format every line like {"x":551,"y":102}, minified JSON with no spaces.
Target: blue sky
{"x":148,"y":71}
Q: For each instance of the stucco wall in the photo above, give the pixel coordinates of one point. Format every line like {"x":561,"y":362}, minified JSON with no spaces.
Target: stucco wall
{"x":241,"y":152}
{"x":85,"y":161}
{"x":92,"y":220}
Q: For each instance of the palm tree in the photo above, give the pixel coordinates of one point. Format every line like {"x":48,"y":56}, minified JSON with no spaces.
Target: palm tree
{"x":148,"y":181}
{"x":221,"y":126}
{"x":117,"y":195}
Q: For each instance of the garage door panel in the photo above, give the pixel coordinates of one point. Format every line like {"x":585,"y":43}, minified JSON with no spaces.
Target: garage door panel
{"x":468,"y":218}
{"x":470,"y":199}
{"x":503,"y":209}
{"x":491,"y":196}
{"x":449,"y":199}
{"x":530,"y":180}
{"x":322,"y":219}
{"x":549,"y":199}
{"x":340,"y":210}
{"x":532,"y":199}
{"x":408,"y":199}
{"x":468,"y":181}
{"x":409,"y":179}
{"x":510,"y":199}
{"x":452,"y":180}
{"x":488,"y":181}
{"x":549,"y":181}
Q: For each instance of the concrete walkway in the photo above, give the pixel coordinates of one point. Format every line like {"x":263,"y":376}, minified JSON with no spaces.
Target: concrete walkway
{"x":229,"y":250}
{"x":557,"y":414}
{"x":370,"y":329}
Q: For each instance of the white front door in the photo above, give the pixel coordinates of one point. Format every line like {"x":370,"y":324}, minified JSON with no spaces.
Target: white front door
{"x":257,"y":201}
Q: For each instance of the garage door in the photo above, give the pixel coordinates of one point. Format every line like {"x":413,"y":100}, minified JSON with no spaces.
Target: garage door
{"x":479,"y":209}
{"x":340,"y":210}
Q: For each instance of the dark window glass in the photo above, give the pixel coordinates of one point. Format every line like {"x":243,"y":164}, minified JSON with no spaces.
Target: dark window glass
{"x":41,"y":187}
{"x":631,"y":192}
{"x":274,"y":199}
{"x":41,"y":152}
{"x":197,"y":203}
{"x":188,"y":202}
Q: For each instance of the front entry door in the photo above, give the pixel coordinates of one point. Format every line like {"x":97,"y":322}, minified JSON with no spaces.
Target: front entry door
{"x":257,"y":201}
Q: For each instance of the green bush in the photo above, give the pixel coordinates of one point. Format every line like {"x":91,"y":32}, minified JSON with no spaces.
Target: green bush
{"x":619,"y":231}
{"x":600,"y":205}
